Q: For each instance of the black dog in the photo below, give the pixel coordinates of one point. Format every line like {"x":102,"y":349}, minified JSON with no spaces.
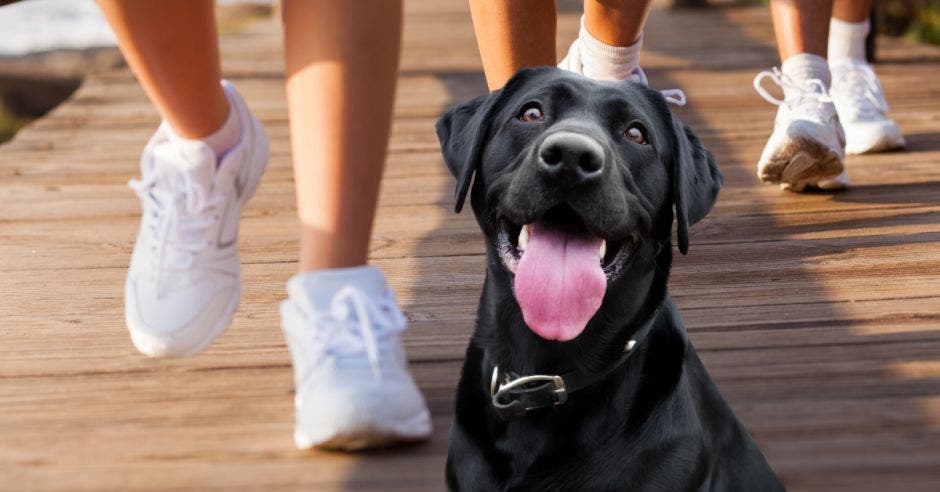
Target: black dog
{"x":579,"y":375}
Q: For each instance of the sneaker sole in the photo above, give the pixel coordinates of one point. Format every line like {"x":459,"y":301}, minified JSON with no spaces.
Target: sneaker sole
{"x":840,"y":182}
{"x":413,"y":430}
{"x":802,"y":162}
{"x":142,"y":339}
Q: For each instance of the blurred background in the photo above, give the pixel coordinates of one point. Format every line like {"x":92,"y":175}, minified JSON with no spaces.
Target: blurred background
{"x":817,"y":315}
{"x":47,"y":46}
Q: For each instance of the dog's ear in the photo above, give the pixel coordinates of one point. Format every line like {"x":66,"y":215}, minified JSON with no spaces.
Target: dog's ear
{"x":463,"y":129}
{"x":462,"y":132}
{"x":696,"y":181}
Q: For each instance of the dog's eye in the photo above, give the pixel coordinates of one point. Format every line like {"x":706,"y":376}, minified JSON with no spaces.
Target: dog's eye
{"x":636,"y":134}
{"x":532,"y":112}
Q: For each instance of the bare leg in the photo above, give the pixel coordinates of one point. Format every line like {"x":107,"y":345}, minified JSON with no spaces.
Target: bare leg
{"x":172,"y":48}
{"x":616,"y":22}
{"x":342,"y":64}
{"x":801,"y":26}
{"x":851,"y":10}
{"x":513,"y":34}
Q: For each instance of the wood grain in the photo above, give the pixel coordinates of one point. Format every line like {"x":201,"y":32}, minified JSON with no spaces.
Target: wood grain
{"x":818,"y":315}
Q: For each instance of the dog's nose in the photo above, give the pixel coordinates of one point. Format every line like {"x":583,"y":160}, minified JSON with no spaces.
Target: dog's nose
{"x":571,"y":157}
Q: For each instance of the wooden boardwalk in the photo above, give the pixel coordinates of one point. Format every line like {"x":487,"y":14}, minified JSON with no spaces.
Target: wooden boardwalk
{"x":818,"y":315}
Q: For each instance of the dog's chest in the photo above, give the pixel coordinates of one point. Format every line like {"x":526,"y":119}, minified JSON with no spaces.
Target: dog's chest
{"x":560,"y":452}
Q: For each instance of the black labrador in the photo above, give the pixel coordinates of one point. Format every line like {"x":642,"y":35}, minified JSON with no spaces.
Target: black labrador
{"x":579,"y":375}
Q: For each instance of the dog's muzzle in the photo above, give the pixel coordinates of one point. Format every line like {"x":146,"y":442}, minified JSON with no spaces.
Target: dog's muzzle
{"x":570,"y":158}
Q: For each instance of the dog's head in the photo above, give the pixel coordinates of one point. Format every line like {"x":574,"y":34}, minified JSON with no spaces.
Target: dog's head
{"x":575,"y":183}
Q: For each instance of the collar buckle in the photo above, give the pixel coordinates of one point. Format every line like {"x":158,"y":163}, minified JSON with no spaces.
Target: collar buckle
{"x":516,"y":396}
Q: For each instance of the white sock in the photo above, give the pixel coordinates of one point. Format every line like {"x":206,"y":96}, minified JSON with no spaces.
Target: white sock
{"x":315,"y":289}
{"x":847,"y":39}
{"x":602,"y":61}
{"x":806,"y":66}
{"x":223,"y":139}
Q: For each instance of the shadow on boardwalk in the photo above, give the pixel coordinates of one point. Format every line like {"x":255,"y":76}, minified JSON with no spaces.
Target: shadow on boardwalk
{"x":816,"y":314}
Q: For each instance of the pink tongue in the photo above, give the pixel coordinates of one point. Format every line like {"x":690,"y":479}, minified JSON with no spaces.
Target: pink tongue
{"x":559,"y":282}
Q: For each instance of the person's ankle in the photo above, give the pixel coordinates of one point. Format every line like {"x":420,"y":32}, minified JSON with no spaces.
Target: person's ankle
{"x":601,"y":61}
{"x":318,"y":286}
{"x":227,"y":135}
{"x":223,"y":139}
{"x":847,"y":40}
{"x":807,"y":66}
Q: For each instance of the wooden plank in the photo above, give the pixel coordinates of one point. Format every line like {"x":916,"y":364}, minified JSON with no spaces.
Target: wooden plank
{"x":818,"y":315}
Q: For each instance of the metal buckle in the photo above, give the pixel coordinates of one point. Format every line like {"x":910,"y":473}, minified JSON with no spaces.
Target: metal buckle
{"x":559,"y":390}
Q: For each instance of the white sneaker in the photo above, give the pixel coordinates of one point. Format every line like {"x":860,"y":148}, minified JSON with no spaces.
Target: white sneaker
{"x":184,"y":281}
{"x":353,"y":389}
{"x":572,"y":63}
{"x":807,"y":145}
{"x":862,"y":108}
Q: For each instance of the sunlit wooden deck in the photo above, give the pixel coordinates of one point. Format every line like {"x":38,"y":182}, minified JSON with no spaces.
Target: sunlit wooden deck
{"x":818,"y":315}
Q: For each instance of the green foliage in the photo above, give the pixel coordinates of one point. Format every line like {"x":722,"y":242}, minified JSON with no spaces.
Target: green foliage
{"x":917,"y":19}
{"x":927,"y":26}
{"x":10,"y":124}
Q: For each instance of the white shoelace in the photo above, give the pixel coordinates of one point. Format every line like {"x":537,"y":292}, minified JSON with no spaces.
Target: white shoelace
{"x":175,"y":217}
{"x":803,"y":98}
{"x":371,"y":317}
{"x":672,"y":96}
{"x":857,"y":85}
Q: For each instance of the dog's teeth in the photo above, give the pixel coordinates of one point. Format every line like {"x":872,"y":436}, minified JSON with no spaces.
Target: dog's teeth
{"x":603,"y":250}
{"x":523,"y":238}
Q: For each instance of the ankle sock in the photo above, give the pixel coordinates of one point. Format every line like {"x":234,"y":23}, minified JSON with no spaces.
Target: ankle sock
{"x":847,"y":39}
{"x":223,"y":139}
{"x":807,"y":66}
{"x":315,"y":289}
{"x":602,"y":61}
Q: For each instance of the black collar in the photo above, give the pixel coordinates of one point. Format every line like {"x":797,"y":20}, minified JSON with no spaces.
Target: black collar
{"x":514,"y":395}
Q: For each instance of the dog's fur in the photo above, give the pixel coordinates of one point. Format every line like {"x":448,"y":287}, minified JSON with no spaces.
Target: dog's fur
{"x":657,"y":422}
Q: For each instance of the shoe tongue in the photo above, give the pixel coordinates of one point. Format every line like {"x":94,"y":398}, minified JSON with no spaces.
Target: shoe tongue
{"x":559,"y":282}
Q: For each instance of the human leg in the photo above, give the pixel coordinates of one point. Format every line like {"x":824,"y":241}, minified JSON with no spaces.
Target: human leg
{"x":517,"y":34}
{"x":609,"y":41}
{"x":343,"y":62}
{"x":852,"y":10}
{"x":806,"y":147}
{"x":198,"y":171}
{"x":616,"y":22}
{"x":342,"y":324}
{"x":172,"y":49}
{"x":856,"y":90}
{"x":801,"y":26}
{"x":513,"y":34}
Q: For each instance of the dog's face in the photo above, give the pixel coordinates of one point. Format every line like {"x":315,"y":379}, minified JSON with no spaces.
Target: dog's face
{"x":575,"y":186}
